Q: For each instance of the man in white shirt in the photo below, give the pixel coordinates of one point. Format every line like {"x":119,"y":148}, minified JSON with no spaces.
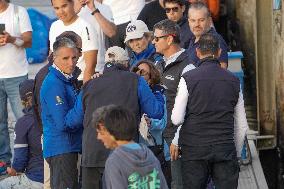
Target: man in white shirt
{"x":124,"y":11}
{"x":69,"y":21}
{"x":13,"y":66}
{"x":209,"y":105}
{"x":100,"y":17}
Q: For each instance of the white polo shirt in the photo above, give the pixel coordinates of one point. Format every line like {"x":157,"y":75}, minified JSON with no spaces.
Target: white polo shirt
{"x":13,"y":62}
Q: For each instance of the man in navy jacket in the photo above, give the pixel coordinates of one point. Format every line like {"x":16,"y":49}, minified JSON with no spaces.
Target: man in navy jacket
{"x":210,"y":107}
{"x":61,"y":116}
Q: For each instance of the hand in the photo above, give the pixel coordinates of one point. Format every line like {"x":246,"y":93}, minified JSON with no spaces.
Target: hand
{"x":11,"y":171}
{"x":91,"y":4}
{"x":148,"y":121}
{"x":174,"y":151}
{"x":96,"y":75}
{"x":6,"y":38}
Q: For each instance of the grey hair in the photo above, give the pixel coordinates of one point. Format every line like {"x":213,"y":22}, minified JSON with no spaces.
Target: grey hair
{"x":169,"y":27}
{"x":63,"y":42}
{"x":199,"y":6}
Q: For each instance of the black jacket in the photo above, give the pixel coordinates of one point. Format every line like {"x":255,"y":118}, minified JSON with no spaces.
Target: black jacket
{"x":185,"y":33}
{"x":170,"y":78}
{"x":213,"y":95}
{"x":116,"y":86}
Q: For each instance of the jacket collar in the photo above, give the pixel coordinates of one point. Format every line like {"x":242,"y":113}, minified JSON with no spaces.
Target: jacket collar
{"x":182,"y":21}
{"x":110,"y":67}
{"x":179,"y":59}
{"x":208,"y":61}
{"x":59,"y":74}
{"x":144,"y":54}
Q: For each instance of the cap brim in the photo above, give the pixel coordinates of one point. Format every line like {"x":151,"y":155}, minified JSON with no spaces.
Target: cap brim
{"x":133,"y":36}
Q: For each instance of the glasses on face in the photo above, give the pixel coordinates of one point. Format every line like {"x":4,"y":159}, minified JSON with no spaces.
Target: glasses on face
{"x":174,"y":9}
{"x":140,"y":72}
{"x":157,"y":38}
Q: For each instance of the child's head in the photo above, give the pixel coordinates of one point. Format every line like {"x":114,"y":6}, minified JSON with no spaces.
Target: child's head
{"x":26,"y":92}
{"x":114,"y":124}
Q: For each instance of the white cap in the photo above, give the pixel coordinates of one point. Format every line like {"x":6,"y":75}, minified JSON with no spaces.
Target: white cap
{"x":135,"y":30}
{"x":116,"y":53}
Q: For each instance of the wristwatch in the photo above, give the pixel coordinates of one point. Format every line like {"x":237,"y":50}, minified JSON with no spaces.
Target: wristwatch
{"x":95,"y":11}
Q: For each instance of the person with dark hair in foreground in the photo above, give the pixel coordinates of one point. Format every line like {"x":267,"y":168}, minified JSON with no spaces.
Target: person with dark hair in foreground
{"x":131,"y":165}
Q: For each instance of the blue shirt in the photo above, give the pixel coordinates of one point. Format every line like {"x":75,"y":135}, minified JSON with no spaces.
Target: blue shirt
{"x":193,"y":45}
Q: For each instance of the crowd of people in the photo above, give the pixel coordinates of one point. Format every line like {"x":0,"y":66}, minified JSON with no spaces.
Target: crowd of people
{"x":134,"y":95}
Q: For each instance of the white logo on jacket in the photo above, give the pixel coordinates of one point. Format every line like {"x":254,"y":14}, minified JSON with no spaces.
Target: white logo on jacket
{"x":170,"y":77}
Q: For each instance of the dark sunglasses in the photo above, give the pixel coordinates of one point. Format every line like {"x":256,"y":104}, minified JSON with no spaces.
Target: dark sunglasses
{"x":157,"y":38}
{"x":168,"y":10}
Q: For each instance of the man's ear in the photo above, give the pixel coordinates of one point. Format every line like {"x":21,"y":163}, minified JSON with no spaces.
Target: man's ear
{"x":170,"y":40}
{"x":198,"y":53}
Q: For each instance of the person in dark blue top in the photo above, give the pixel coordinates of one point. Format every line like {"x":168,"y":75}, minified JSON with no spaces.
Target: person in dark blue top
{"x":175,"y":11}
{"x":200,"y":22}
{"x":138,"y":39}
{"x":27,"y":167}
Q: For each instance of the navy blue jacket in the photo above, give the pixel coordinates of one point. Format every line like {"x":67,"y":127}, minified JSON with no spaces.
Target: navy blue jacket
{"x":120,"y":87}
{"x":61,"y":115}
{"x":185,"y":33}
{"x":28,"y":153}
{"x":213,"y":95}
{"x":223,"y":45}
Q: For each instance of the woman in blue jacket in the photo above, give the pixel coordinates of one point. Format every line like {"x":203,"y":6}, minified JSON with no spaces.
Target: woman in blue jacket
{"x":138,"y":40}
{"x":154,"y":137}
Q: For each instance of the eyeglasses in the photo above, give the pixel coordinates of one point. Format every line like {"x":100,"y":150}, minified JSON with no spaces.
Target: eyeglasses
{"x":140,"y":72}
{"x":174,"y":9}
{"x":157,"y":38}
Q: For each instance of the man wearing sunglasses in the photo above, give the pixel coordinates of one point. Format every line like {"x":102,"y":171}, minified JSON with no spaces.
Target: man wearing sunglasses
{"x":176,"y":62}
{"x":175,"y":10}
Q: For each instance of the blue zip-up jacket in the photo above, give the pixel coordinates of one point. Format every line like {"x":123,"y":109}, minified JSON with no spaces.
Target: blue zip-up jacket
{"x":62,"y":115}
{"x":149,"y":53}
